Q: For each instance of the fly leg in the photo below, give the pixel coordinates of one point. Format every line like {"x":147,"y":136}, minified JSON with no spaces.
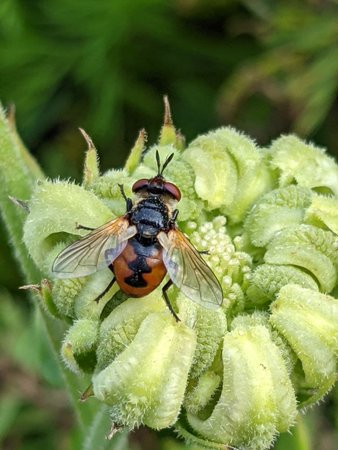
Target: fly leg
{"x":173,"y":218}
{"x":129,"y":203}
{"x":110,"y":285}
{"x":82,"y":227}
{"x":172,"y":223}
{"x":166,"y":299}
{"x":175,"y":214}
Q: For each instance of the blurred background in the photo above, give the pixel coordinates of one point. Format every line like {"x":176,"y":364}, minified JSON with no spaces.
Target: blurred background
{"x":264,"y":67}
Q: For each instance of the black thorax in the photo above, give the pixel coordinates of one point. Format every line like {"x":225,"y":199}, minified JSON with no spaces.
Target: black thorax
{"x":150,"y":217}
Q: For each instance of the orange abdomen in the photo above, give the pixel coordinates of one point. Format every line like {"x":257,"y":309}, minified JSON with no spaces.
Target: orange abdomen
{"x":139,"y":269}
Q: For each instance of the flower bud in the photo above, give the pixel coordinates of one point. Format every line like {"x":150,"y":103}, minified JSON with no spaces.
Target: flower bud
{"x":223,"y":187}
{"x":199,"y":395}
{"x":323,"y":212}
{"x":278,"y":209}
{"x":308,"y":321}
{"x":239,"y":175}
{"x":268,"y":279}
{"x":120,"y":327}
{"x":85,"y":305}
{"x":256,"y":399}
{"x":107,"y":188}
{"x":78,"y":348}
{"x":310,"y":248}
{"x":209,"y":326}
{"x":55,"y":209}
{"x":304,"y":163}
{"x":64,"y":293}
{"x":146,"y":382}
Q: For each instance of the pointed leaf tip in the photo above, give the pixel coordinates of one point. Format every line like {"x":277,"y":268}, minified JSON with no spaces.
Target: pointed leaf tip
{"x":143,"y":136}
{"x":88,"y":392}
{"x":167,"y":112}
{"x":136,"y":152}
{"x":180,"y":141}
{"x":91,"y":165}
{"x":168,"y":132}
{"x":21,"y":203}
{"x":10,"y":115}
{"x":88,"y":139}
{"x":113,"y":430}
{"x":31,"y":287}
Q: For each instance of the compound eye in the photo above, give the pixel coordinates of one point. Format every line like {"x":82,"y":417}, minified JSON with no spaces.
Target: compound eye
{"x":173,"y":190}
{"x":140,"y":184}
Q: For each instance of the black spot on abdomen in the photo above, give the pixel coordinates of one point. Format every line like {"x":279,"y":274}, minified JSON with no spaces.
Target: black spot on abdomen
{"x":139,"y":266}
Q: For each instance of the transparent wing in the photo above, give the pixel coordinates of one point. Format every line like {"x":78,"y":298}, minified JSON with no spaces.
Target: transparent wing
{"x":94,"y":251}
{"x":188,"y":271}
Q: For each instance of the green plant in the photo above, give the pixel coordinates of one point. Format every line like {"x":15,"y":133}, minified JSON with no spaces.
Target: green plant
{"x":237,"y":376}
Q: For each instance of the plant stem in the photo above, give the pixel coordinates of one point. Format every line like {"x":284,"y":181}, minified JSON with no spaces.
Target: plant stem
{"x":16,"y":180}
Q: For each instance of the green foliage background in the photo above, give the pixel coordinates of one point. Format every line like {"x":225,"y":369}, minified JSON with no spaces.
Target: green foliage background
{"x":265,"y":67}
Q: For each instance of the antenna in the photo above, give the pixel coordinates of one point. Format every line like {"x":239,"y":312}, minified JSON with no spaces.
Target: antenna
{"x":166,"y":162}
{"x":158,"y":163}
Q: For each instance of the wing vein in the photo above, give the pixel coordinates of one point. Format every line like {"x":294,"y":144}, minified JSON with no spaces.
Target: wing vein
{"x":189,"y":271}
{"x":88,"y":254}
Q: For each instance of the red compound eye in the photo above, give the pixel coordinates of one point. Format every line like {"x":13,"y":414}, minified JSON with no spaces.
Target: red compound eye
{"x":140,"y":184}
{"x":173,"y":190}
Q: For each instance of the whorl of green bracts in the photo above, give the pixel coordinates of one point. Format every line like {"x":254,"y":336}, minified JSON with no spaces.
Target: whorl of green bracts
{"x":235,"y":376}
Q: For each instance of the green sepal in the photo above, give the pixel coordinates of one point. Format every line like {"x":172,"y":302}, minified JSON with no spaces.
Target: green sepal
{"x":135,"y":154}
{"x":55,"y":209}
{"x":308,"y":165}
{"x":85,"y":306}
{"x":323,"y":212}
{"x":202,"y":392}
{"x":120,"y":327}
{"x":168,"y":131}
{"x":75,"y":297}
{"x":146,"y":382}
{"x":64,"y":293}
{"x":45,"y":297}
{"x":107,"y":189}
{"x":180,"y":142}
{"x":197,"y":442}
{"x":204,"y":161}
{"x":308,"y":321}
{"x":209,"y":326}
{"x":91,"y":170}
{"x":257,"y":398}
{"x":78,"y":349}
{"x":268,"y":279}
{"x":239,"y":173}
{"x":168,"y":135}
{"x":307,"y":247}
{"x":255,"y":318}
{"x":276,"y":210}
{"x":47,"y":301}
{"x":254,"y":177}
